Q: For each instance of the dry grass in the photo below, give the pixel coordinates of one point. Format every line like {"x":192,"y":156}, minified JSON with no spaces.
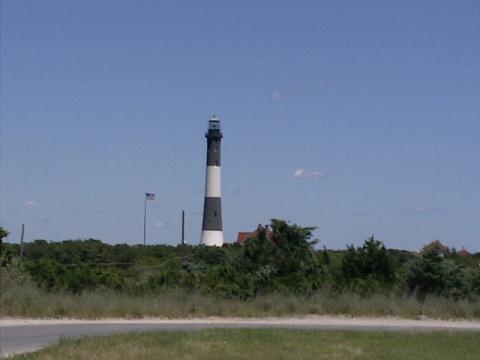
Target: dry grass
{"x":267,"y":344}
{"x":25,"y":300}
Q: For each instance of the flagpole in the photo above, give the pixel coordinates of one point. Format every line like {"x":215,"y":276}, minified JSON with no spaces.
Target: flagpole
{"x":145,"y":222}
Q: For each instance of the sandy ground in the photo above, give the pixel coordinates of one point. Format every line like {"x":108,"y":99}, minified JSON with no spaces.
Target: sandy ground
{"x":307,"y":320}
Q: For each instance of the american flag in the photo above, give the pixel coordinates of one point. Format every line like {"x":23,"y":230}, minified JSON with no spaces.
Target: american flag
{"x":149,"y":196}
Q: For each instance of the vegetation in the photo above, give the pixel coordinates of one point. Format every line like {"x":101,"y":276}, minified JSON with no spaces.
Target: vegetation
{"x":267,"y":344}
{"x":277,"y":271}
{"x":29,"y":301}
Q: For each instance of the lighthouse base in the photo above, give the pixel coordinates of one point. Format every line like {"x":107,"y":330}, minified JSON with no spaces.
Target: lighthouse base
{"x":212,"y":238}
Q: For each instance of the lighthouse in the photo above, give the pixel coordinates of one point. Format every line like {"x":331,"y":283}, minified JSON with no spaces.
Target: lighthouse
{"x":212,"y":232}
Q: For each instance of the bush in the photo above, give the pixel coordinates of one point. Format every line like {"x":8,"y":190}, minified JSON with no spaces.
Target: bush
{"x":279,"y":259}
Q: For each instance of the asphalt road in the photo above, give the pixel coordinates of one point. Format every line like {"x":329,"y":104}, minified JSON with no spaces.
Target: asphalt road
{"x":23,"y":336}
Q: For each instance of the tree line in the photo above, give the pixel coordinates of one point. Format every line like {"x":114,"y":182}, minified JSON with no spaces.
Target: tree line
{"x":279,"y":258}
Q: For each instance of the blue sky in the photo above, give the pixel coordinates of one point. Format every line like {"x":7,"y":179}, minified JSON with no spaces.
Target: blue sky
{"x":373,"y":105}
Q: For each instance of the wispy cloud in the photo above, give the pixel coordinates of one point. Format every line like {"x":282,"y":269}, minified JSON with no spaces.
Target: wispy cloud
{"x":167,"y":223}
{"x":276,"y":95}
{"x":426,"y":210}
{"x":89,"y":212}
{"x":30,"y":204}
{"x":419,"y":211}
{"x":196,"y":191}
{"x":362,"y":214}
{"x":301,"y":173}
{"x":298,"y":90}
{"x":43,"y":220}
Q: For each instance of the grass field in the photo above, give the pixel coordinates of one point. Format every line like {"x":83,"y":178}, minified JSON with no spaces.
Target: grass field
{"x":267,"y":344}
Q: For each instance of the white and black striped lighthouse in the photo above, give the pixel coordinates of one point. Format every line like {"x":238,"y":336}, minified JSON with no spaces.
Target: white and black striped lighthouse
{"x":212,"y":232}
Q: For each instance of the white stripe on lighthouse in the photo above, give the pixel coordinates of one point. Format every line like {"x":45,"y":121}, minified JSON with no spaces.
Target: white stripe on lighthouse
{"x":213,"y":184}
{"x":212,"y":237}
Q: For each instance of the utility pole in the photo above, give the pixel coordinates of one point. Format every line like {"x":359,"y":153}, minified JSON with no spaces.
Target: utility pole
{"x":183,"y":227}
{"x":145,"y":222}
{"x":21,"y":240}
{"x":148,"y":196}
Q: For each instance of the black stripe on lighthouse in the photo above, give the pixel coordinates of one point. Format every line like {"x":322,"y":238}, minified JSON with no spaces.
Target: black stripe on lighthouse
{"x":213,"y":151}
{"x":212,"y":214}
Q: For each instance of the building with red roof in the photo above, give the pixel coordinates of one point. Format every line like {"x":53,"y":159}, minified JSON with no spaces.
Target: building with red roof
{"x":243,"y":236}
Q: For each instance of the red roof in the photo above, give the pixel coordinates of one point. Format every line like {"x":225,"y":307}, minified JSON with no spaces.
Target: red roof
{"x":243,"y":236}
